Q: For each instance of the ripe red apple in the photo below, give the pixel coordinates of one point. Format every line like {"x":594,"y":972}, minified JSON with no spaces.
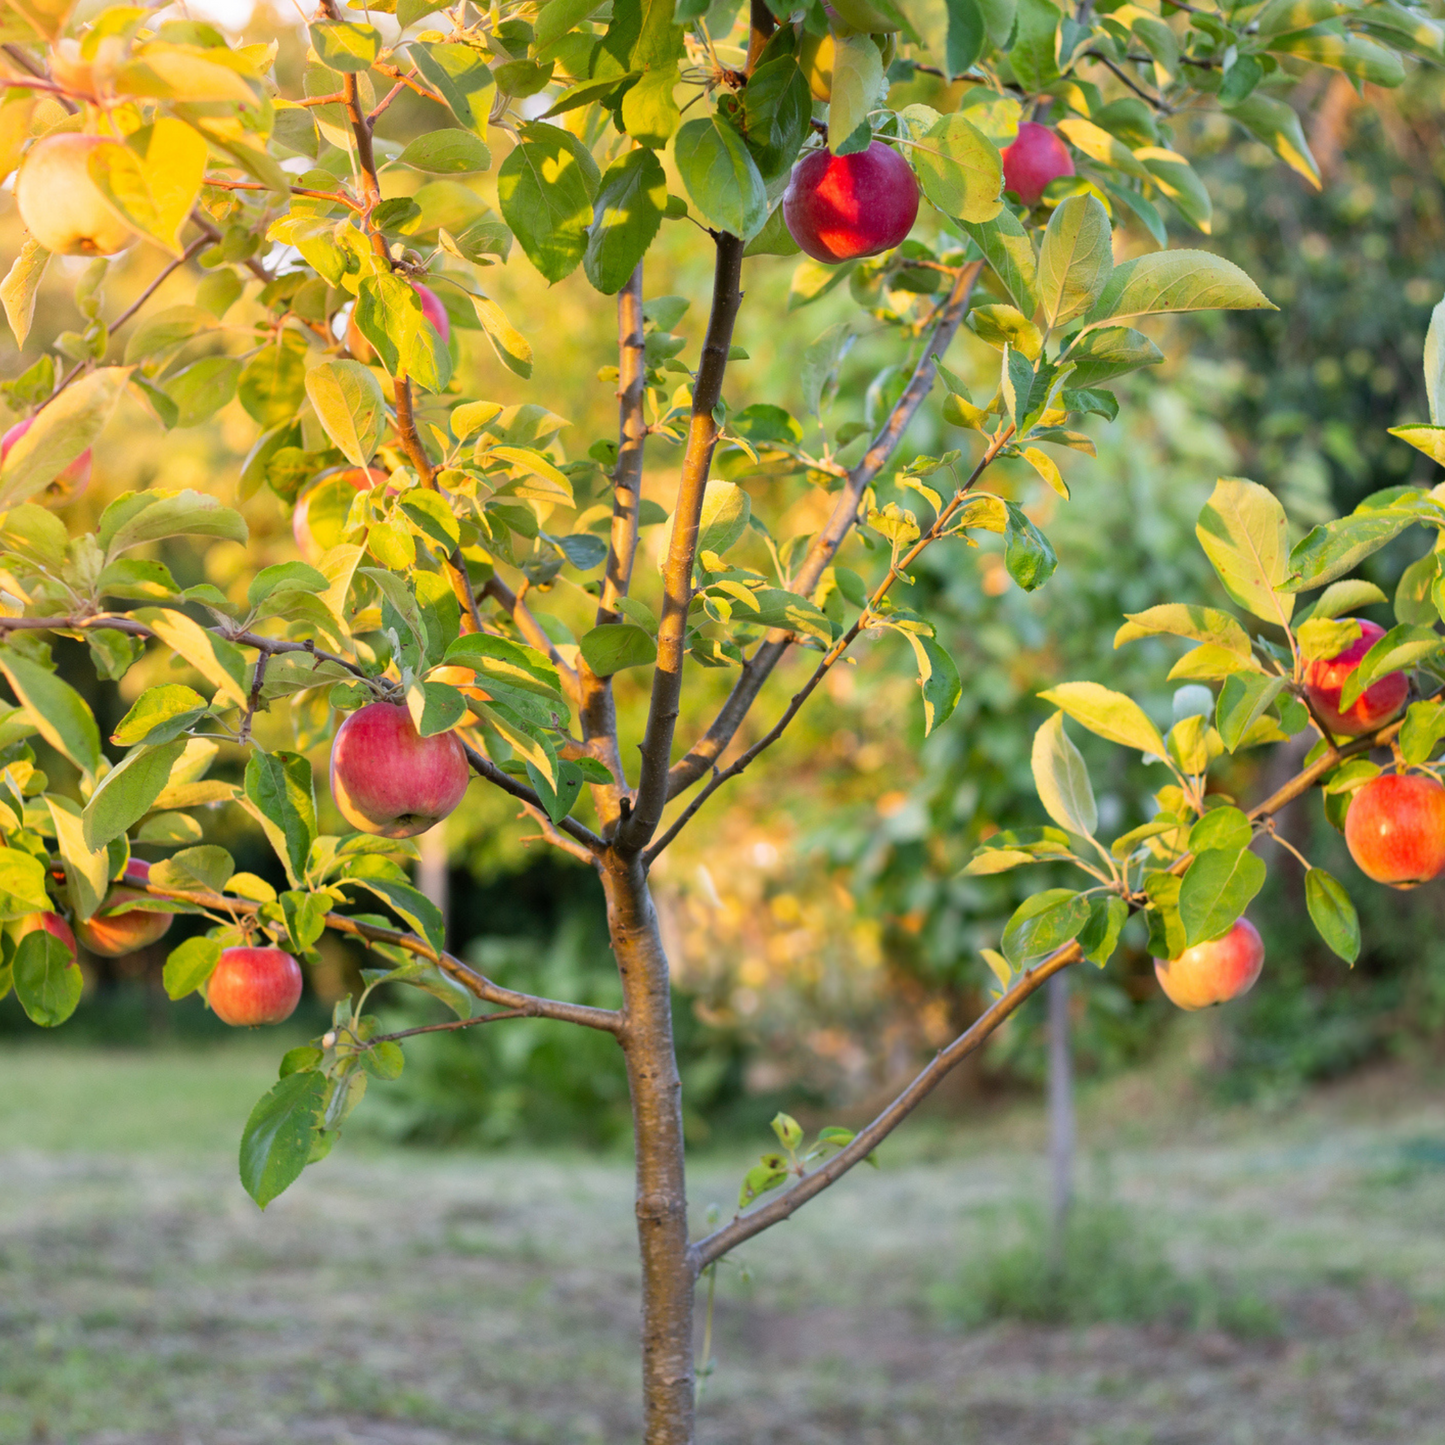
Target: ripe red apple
{"x":69,"y":484}
{"x":1037,"y":157}
{"x":431,"y":308}
{"x":1395,"y":828}
{"x":112,"y":934}
{"x":254,"y":986}
{"x":52,"y":923}
{"x":307,"y":543}
{"x":1211,"y":972}
{"x":63,"y":209}
{"x":838,"y":208}
{"x":388,"y":779}
{"x":1325,"y":677}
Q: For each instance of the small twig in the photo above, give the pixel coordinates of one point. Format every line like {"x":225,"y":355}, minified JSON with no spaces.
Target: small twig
{"x":258,"y":681}
{"x":484,"y":767}
{"x":1162,"y":106}
{"x":408,"y":79}
{"x":447,"y":1028}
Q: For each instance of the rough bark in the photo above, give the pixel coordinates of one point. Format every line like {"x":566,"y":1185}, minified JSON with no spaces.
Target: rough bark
{"x":668,"y":1378}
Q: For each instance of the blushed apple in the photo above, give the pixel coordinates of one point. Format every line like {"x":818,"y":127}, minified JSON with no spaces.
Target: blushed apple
{"x":1324,"y":679}
{"x":1035,"y":158}
{"x":254,"y":986}
{"x":1215,"y":971}
{"x":1395,"y":828}
{"x":69,"y":484}
{"x":113,"y":934}
{"x":838,"y":208}
{"x":388,"y":779}
{"x":63,"y":209}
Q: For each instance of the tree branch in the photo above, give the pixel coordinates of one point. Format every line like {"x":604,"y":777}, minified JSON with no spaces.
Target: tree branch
{"x":517,"y":609}
{"x":704,"y":753}
{"x":744,"y":1227}
{"x":597,"y":710}
{"x":477,"y":984}
{"x":638,"y":827}
{"x":484,"y":767}
{"x":864,"y":619}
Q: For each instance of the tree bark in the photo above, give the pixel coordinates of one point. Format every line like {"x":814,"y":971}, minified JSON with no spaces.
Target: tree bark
{"x":668,"y":1378}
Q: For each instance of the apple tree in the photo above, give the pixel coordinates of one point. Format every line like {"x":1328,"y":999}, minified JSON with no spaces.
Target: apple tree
{"x":1004,"y":165}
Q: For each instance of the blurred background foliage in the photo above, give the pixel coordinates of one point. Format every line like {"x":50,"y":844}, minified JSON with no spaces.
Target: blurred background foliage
{"x":823,"y":939}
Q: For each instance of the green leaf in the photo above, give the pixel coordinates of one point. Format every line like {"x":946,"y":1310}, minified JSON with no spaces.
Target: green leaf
{"x":1218,"y":886}
{"x":1027,"y":554}
{"x":349,"y":406}
{"x":346,"y":46}
{"x":1338,"y":547}
{"x":1166,"y":930}
{"x":190,"y":965}
{"x":59,"y":433}
{"x":1076,"y":259}
{"x":207,"y":868}
{"x":721,"y":176}
{"x":127,"y":793}
{"x":21,"y":286}
{"x":559,"y":800}
{"x":1427,"y":439}
{"x":59,"y":712}
{"x":1009,"y":251}
{"x":461,"y":76}
{"x":1102,"y":355}
{"x":1276,"y":123}
{"x":1245,"y":535}
{"x":272,"y":385}
{"x":1043,"y":923}
{"x":1422,"y":730}
{"x":446,"y":153}
{"x":1100,"y":935}
{"x":419,"y":912}
{"x":1161,"y":281}
{"x":1414,"y":601}
{"x":546,"y":188}
{"x":857,"y":79}
{"x":1333,"y":914}
{"x":282,"y":578}
{"x":495,"y":659}
{"x":628,"y":212}
{"x":87,"y":869}
{"x":1035,"y":48}
{"x":277,"y":1140}
{"x":282,"y":798}
{"x":1244,"y":698}
{"x":203,"y":388}
{"x":1062,"y":779}
{"x":960,"y":170}
{"x":1226,"y":828}
{"x":513,"y":349}
{"x":47,"y":979}
{"x":938,"y":678}
{"x":1341,"y":597}
{"x":1109,"y":714}
{"x":617,"y":645}
{"x":135,"y":518}
{"x":22,"y":881}
{"x":220,"y":662}
{"x":726,"y":509}
{"x":1400,"y":648}
{"x":1361,"y":59}
{"x":1179,"y":619}
{"x":965,"y":38}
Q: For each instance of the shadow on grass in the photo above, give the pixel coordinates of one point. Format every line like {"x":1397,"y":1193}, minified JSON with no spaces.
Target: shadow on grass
{"x":1113,"y":1268}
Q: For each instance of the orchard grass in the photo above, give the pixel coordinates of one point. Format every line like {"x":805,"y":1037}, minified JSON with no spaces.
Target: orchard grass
{"x":490,"y":1297}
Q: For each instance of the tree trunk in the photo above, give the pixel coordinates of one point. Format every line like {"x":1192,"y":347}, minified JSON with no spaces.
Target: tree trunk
{"x":668,"y":1382}
{"x":1061,"y":1116}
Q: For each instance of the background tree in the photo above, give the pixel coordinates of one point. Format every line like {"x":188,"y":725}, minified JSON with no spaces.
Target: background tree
{"x":439,"y":610}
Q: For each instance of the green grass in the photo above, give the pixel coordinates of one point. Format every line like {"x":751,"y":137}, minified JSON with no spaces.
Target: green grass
{"x":1247,"y":1278}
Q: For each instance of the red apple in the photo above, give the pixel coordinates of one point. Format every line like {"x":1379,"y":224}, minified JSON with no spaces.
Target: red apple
{"x":838,"y":208}
{"x":1395,"y":828}
{"x":70,"y":483}
{"x":63,"y":209}
{"x":1211,"y":972}
{"x":1037,"y":157}
{"x":306,"y":543}
{"x":1325,"y":677}
{"x":388,"y":779}
{"x":52,"y":923}
{"x":254,"y":986}
{"x":112,"y":934}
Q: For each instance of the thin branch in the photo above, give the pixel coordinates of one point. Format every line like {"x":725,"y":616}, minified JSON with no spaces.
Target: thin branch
{"x":484,"y":767}
{"x":339,"y":198}
{"x":705,"y":752}
{"x":447,"y":1028}
{"x":552,"y":834}
{"x":408,"y":79}
{"x":477,"y":984}
{"x":1162,"y":106}
{"x":596,"y":708}
{"x":744,"y":1227}
{"x":637,"y":828}
{"x":864,"y":619}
